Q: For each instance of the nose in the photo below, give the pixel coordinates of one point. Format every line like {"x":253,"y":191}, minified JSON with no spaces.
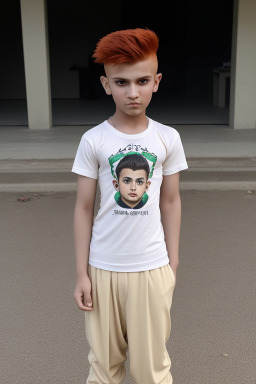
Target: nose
{"x":133,"y":186}
{"x":132,"y":91}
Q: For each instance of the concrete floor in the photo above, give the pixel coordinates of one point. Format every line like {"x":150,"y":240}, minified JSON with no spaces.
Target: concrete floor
{"x":41,"y":160}
{"x":61,"y":142}
{"x":213,"y":315}
{"x":213,"y":339}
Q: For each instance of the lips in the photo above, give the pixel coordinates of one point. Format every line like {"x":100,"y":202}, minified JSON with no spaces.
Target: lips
{"x":132,"y":194}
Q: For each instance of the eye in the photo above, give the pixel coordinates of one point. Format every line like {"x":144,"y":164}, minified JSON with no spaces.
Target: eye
{"x":140,"y":182}
{"x":120,"y":82}
{"x":143,"y":81}
{"x":126,"y":181}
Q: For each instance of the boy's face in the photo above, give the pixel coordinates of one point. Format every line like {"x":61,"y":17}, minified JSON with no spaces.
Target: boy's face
{"x":132,"y":84}
{"x":132,"y":185}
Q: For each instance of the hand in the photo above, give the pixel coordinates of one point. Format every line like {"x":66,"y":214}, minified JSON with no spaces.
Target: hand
{"x":82,"y":294}
{"x":174,"y":269}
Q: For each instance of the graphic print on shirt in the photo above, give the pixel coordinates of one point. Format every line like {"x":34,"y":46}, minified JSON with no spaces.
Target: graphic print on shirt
{"x":132,"y":167}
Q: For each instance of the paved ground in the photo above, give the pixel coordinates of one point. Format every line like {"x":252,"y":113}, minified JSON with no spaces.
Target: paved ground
{"x":44,"y":175}
{"x":219,"y":158}
{"x":213,"y":339}
{"x":61,"y":142}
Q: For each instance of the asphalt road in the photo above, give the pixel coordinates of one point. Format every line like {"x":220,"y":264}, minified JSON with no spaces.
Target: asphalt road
{"x":213,"y":338}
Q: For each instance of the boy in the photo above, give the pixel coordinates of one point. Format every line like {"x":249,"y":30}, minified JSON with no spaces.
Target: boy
{"x":127,"y":260}
{"x":131,"y":181}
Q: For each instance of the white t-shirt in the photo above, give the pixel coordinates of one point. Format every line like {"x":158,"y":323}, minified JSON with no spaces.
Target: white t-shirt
{"x":127,"y":234}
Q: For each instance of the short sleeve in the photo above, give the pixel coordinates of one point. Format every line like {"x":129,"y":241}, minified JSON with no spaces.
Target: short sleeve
{"x":86,"y":162}
{"x":175,"y":160}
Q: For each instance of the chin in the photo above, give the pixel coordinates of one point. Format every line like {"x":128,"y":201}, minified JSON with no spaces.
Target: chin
{"x":134,"y":203}
{"x":135,"y":112}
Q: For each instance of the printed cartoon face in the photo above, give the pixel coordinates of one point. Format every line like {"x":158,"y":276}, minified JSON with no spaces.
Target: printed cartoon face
{"x":132,"y":185}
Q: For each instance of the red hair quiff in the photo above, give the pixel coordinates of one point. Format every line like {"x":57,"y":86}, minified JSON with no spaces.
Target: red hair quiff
{"x":126,"y":46}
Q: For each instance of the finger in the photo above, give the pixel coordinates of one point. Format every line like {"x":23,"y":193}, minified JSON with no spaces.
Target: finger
{"x":84,"y":307}
{"x":88,"y":300}
{"x":81,"y":304}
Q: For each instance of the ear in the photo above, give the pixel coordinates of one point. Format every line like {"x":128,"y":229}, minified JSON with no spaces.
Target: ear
{"x":148,"y":184}
{"x":157,"y":81}
{"x":115,"y":184}
{"x":105,"y":84}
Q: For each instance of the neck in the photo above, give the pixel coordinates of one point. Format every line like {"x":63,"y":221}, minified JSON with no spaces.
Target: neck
{"x":129,"y":124}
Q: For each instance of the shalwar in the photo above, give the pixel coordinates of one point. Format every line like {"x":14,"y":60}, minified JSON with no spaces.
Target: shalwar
{"x":131,"y":310}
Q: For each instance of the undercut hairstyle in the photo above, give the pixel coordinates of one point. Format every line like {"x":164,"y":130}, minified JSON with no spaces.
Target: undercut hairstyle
{"x":134,"y":162}
{"x":126,"y":46}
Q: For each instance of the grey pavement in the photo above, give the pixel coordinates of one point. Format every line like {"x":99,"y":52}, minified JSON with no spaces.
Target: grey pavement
{"x":213,"y":339}
{"x":40,"y":160}
{"x":213,"y":315}
{"x":61,"y":142}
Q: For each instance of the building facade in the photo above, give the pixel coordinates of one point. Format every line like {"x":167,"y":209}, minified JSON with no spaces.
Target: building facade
{"x":207,"y":55}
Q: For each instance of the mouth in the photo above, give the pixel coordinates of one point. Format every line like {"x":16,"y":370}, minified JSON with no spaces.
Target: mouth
{"x":132,"y":194}
{"x":134,"y":104}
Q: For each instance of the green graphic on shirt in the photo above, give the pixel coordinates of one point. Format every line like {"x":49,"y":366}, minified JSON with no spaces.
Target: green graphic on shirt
{"x":132,"y":149}
{"x":132,"y":167}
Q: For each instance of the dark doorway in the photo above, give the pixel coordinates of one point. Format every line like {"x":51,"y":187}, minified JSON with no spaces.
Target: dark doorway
{"x":13,"y":105}
{"x":195,"y":46}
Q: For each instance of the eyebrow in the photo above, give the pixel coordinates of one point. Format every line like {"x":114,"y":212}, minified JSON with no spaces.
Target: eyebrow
{"x":139,"y":78}
{"x":130,"y":178}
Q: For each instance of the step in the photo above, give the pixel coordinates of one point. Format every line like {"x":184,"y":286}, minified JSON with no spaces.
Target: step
{"x":55,"y":174}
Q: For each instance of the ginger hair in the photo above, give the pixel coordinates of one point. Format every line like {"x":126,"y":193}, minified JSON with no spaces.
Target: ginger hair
{"x":126,"y":46}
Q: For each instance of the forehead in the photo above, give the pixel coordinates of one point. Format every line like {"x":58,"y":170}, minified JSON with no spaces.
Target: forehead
{"x":128,"y":172}
{"x":146,"y":67}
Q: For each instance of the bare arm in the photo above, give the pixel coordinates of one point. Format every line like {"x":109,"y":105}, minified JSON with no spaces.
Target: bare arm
{"x":83,"y":220}
{"x":170,"y":206}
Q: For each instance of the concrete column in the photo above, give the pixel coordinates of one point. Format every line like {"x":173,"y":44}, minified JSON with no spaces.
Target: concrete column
{"x":36,"y":57}
{"x":243,"y":66}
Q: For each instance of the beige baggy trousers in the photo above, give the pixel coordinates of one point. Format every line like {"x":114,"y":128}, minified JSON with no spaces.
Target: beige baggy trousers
{"x":131,"y":310}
